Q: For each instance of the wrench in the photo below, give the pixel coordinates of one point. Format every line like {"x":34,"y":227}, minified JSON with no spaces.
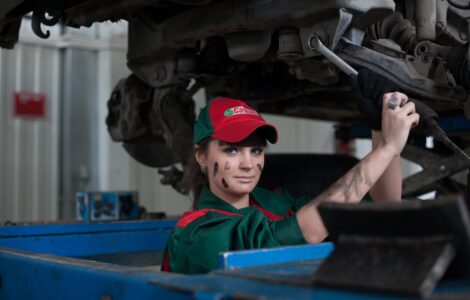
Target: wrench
{"x":317,"y":45}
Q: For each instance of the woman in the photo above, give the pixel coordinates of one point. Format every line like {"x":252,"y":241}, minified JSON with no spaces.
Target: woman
{"x":233,"y":214}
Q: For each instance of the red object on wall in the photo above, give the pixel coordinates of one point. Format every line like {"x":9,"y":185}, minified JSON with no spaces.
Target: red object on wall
{"x":29,"y":105}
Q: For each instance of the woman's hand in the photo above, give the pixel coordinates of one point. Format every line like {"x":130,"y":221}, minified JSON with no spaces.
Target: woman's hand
{"x":397,"y":121}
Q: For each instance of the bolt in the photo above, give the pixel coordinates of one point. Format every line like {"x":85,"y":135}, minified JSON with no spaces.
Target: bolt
{"x":322,"y":37}
{"x":426,"y":58}
{"x":312,"y":42}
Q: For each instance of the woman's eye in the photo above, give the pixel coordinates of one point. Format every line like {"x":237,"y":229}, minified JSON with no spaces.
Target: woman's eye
{"x":257,"y":151}
{"x":230,"y":150}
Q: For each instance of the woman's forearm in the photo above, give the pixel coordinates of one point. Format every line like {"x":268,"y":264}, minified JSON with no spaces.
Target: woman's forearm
{"x":350,"y":188}
{"x":388,"y":187}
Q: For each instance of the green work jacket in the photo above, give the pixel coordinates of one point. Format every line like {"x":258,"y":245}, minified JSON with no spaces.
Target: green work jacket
{"x":216,"y":226}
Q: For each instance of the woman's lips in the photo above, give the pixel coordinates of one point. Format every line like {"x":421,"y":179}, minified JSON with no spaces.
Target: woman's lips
{"x":245,"y":179}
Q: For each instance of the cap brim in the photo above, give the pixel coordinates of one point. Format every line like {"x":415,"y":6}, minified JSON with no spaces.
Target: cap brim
{"x":238,"y":131}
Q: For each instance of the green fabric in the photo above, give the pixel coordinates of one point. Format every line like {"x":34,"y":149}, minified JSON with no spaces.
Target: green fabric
{"x":203,"y":126}
{"x":195,"y":248}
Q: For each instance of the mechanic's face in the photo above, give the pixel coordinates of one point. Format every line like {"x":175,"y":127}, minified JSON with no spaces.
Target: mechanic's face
{"x":233,"y":170}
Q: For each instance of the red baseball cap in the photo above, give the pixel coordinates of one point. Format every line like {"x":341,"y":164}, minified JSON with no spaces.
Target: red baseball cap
{"x":231,"y":121}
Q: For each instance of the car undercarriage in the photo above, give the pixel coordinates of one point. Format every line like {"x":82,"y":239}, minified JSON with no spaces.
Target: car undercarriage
{"x":259,"y":51}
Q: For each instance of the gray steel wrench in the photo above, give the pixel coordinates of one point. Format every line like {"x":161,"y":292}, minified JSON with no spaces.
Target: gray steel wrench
{"x":315,"y":44}
{"x":429,"y":124}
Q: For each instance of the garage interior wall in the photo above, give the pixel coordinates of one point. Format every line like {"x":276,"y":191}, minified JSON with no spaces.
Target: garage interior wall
{"x":29,"y":147}
{"x":45,"y":161}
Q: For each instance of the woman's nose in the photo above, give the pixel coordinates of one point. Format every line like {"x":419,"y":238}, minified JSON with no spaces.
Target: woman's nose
{"x":246,"y":160}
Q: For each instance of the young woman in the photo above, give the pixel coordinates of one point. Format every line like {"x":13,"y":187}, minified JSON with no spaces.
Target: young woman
{"x":233,"y":214}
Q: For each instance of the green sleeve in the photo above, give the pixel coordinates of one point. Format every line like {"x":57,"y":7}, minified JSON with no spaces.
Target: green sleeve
{"x":195,"y":248}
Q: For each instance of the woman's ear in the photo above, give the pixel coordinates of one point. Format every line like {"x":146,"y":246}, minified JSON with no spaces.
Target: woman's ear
{"x":200,"y":156}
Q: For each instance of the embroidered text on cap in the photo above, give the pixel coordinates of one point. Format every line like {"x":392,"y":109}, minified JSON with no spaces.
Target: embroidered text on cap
{"x":239,"y":110}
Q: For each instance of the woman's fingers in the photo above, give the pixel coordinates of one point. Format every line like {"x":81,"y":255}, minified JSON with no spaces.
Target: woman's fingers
{"x":394,"y":100}
{"x":407,"y":109}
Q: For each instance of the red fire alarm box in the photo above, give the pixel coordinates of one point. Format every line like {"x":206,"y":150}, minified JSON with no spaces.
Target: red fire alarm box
{"x":29,"y":105}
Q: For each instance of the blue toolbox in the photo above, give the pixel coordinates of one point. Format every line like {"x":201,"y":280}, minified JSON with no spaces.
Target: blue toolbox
{"x":102,"y":206}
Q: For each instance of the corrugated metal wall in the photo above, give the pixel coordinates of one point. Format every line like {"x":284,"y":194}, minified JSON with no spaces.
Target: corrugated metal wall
{"x":43,"y":162}
{"x":79,"y":138}
{"x":91,"y":65}
{"x":29,"y":147}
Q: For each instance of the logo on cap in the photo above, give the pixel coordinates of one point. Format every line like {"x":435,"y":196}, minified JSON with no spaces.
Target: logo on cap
{"x":239,"y":110}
